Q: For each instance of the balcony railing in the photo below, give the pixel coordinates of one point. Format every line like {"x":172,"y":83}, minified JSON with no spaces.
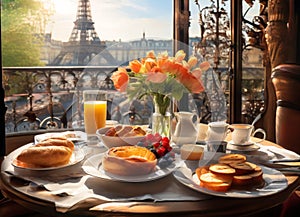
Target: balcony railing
{"x":45,"y":97}
{"x":49,"y":97}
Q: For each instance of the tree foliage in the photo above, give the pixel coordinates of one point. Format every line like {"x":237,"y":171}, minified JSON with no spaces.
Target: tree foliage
{"x":22,"y":29}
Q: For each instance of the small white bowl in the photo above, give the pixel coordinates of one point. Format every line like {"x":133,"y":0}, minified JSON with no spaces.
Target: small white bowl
{"x":114,"y":141}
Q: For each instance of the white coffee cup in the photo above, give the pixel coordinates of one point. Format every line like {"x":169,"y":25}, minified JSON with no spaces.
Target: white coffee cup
{"x":241,"y":133}
{"x":217,"y":131}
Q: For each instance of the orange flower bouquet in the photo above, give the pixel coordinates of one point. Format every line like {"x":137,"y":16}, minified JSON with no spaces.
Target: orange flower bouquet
{"x":162,"y":77}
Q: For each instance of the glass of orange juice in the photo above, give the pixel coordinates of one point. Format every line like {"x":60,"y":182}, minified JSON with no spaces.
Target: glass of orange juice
{"x":94,"y":109}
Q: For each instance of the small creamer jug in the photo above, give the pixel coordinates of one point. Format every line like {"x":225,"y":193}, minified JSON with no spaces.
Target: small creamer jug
{"x":186,"y":130}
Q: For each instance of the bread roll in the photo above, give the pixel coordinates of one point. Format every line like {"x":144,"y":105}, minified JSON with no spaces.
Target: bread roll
{"x":45,"y":156}
{"x":129,"y":161}
{"x":56,"y":141}
{"x":191,"y":152}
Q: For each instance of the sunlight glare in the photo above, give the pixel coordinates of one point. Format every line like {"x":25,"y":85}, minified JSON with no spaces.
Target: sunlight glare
{"x":63,"y":6}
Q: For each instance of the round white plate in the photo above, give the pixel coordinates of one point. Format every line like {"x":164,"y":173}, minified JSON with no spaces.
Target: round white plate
{"x":244,"y":144}
{"x":240,"y":148}
{"x":76,"y":158}
{"x":275,"y":182}
{"x":93,"y":167}
{"x":71,"y":135}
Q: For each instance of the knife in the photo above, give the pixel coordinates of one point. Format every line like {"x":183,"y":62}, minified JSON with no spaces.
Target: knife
{"x":287,"y":160}
{"x":290,"y":171}
{"x":291,"y":163}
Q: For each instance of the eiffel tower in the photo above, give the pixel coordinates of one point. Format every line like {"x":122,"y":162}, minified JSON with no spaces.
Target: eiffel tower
{"x":84,"y":46}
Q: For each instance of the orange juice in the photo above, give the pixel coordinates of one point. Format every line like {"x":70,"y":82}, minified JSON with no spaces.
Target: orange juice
{"x":94,"y":115}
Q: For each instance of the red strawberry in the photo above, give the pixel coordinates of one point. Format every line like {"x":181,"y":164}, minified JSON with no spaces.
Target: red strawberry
{"x":149,"y":137}
{"x":165,"y":144}
{"x":157,"y":137}
{"x":156,"y":144}
{"x":161,"y":151}
{"x":165,"y":139}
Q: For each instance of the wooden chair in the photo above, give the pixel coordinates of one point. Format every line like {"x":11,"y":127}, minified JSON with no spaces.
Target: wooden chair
{"x":286,"y":81}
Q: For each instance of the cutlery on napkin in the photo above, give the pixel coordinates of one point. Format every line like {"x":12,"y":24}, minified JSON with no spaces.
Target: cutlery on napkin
{"x":286,"y":161}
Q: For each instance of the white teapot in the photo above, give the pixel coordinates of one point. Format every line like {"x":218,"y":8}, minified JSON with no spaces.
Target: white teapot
{"x":186,"y":129}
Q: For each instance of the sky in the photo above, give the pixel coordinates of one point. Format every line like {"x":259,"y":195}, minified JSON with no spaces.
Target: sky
{"x":123,"y":20}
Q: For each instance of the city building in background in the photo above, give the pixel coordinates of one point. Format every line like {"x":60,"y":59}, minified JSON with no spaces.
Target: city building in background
{"x":86,"y":61}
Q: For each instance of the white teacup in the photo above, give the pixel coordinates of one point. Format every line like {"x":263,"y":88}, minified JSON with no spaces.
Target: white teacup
{"x":241,"y":133}
{"x":217,"y":131}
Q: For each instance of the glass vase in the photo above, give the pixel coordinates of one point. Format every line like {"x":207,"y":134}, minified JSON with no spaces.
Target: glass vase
{"x":161,"y":123}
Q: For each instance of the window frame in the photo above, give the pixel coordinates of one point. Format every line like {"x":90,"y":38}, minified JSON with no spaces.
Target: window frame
{"x":180,"y":36}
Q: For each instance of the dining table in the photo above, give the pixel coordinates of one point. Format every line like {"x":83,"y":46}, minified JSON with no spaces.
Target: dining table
{"x":81,"y":189}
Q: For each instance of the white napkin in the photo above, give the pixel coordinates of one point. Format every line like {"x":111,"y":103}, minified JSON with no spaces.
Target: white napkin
{"x":69,"y":186}
{"x":268,"y":154}
{"x":75,"y":186}
{"x":280,"y":153}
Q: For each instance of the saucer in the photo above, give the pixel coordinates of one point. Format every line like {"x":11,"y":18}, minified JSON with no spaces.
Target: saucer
{"x":249,"y":143}
{"x":244,"y":148}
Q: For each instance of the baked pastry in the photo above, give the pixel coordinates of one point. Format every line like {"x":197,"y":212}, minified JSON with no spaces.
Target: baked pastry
{"x":202,"y":170}
{"x":232,"y":158}
{"x":125,"y":131}
{"x":222,"y":169}
{"x":111,"y":132}
{"x":136,"y":131}
{"x":232,"y":170}
{"x":45,"y":156}
{"x":50,"y":152}
{"x":56,"y":141}
{"x":242,"y":168}
{"x":129,"y":161}
{"x":214,"y":182}
{"x":191,"y":152}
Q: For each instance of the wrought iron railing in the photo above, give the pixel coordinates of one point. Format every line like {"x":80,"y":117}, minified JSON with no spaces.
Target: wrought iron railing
{"x":44,"y":97}
{"x":49,"y":97}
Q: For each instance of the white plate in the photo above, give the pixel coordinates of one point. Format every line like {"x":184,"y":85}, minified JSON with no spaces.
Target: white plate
{"x":275,"y":182}
{"x":76,"y":158}
{"x":244,"y":144}
{"x":93,"y":166}
{"x":71,"y":135}
{"x":240,"y":148}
